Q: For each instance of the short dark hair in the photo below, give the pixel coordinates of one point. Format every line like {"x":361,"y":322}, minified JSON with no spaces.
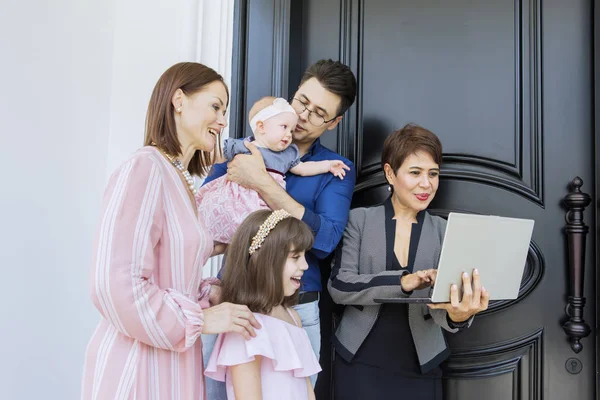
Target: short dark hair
{"x":408,"y":140}
{"x":256,"y":280}
{"x":190,"y":77}
{"x":336,"y":78}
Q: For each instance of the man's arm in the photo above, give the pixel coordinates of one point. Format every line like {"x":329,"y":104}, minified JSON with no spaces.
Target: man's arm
{"x":349,"y":282}
{"x":231,"y":147}
{"x":330,"y":214}
{"x":250,"y":171}
{"x":331,"y":209}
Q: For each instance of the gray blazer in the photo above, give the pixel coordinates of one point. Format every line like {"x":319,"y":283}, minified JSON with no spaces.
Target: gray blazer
{"x":361,"y":274}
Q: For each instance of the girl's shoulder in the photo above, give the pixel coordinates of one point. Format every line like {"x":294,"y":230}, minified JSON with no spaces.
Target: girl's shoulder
{"x":286,"y":344}
{"x":278,"y":323}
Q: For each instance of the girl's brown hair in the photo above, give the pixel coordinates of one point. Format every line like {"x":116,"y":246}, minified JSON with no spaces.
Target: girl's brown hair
{"x":256,"y":280}
{"x":191,"y":78}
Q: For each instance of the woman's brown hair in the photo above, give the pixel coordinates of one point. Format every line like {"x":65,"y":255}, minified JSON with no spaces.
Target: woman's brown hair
{"x":256,"y":280}
{"x":191,"y":78}
{"x":409,"y":140}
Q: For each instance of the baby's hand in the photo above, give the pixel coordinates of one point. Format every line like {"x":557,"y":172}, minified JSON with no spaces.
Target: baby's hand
{"x":337,"y":167}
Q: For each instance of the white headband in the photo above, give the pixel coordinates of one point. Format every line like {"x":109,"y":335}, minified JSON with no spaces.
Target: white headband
{"x":279,"y":106}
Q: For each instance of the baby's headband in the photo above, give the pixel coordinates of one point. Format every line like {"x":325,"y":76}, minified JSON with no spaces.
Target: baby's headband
{"x":266,"y":227}
{"x":279,"y":106}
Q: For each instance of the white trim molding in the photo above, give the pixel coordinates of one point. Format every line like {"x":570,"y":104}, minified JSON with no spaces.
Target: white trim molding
{"x":211,"y":34}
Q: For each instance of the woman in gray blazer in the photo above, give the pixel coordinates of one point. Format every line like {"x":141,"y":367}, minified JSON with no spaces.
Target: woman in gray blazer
{"x":392,"y":250}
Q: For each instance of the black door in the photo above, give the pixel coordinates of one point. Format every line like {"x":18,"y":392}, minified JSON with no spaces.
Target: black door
{"x":508,"y":87}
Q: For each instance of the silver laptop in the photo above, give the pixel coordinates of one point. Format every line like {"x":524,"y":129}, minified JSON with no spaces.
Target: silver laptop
{"x":496,"y":246}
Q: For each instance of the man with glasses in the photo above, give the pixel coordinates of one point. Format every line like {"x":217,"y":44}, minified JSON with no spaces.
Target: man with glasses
{"x":327,"y":89}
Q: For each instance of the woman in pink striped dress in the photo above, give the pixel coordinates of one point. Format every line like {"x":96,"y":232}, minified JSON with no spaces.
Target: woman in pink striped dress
{"x":150,"y":249}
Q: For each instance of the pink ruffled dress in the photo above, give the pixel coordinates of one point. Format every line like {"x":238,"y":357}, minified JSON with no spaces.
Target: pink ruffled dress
{"x":223,"y":205}
{"x":288,"y":359}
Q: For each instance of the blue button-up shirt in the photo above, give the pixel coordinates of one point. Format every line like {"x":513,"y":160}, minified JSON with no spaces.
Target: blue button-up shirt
{"x":326,"y":200}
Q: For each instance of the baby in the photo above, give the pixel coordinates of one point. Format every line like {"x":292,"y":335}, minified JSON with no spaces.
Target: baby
{"x":223,"y":204}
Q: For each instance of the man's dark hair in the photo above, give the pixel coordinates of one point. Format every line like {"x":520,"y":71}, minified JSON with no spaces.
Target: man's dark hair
{"x":336,"y":78}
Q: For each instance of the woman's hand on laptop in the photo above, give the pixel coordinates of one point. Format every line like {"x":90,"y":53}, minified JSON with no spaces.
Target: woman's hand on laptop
{"x":474,"y":300}
{"x":418,"y":280}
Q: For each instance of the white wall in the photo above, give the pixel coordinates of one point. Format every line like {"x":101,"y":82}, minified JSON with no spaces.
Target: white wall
{"x":55,"y":78}
{"x":75,"y":79}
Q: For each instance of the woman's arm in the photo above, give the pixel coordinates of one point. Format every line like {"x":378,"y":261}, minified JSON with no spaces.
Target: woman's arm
{"x":246,"y":380}
{"x":122,"y":286}
{"x":458,"y":315}
{"x":349,"y":284}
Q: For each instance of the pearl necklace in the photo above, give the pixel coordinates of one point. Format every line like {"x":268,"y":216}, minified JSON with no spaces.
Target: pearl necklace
{"x":186,"y":174}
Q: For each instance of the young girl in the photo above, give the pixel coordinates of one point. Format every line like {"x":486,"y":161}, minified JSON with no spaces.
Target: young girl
{"x":265,"y":262}
{"x":223,"y":205}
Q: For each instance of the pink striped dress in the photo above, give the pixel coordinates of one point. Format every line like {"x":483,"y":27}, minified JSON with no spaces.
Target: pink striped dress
{"x":146,"y":281}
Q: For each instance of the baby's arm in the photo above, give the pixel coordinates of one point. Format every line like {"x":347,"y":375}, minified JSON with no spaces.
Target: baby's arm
{"x":310,"y":168}
{"x":246,"y":380}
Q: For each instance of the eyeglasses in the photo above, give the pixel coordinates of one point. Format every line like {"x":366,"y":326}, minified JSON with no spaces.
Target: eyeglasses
{"x":313,"y":117}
